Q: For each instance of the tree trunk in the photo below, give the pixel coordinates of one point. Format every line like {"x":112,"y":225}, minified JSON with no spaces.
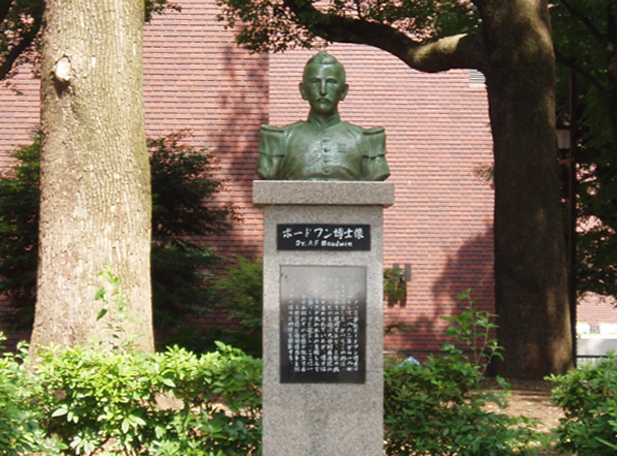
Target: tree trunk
{"x":530,"y":266}
{"x":95,"y":179}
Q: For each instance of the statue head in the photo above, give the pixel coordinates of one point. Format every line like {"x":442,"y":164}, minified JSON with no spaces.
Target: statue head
{"x":323,"y":83}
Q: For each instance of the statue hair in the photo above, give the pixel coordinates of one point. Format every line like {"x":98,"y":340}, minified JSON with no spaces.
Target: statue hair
{"x":323,"y":58}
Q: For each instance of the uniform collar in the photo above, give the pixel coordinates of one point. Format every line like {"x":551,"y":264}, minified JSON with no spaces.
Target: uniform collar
{"x":315,"y":120}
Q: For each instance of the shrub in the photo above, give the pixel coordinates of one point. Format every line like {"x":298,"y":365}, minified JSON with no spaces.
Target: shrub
{"x":108,"y":399}
{"x":19,"y":234}
{"x":182,"y":182}
{"x":439,"y":407}
{"x":241,"y":291}
{"x":163,"y":404}
{"x":183,"y":186}
{"x":588,"y":397}
{"x":20,"y":432}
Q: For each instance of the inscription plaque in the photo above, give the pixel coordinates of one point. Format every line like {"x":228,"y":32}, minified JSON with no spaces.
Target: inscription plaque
{"x":323,"y":237}
{"x":323,"y":324}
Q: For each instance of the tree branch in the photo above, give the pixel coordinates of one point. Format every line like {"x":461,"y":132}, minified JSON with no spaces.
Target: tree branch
{"x":597,"y":33}
{"x":5,"y":6}
{"x":571,"y":63}
{"x":459,"y":51}
{"x":11,"y":57}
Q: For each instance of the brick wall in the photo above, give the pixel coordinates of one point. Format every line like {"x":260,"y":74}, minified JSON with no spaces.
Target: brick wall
{"x":595,"y":310}
{"x":196,"y":78}
{"x":438,"y":134}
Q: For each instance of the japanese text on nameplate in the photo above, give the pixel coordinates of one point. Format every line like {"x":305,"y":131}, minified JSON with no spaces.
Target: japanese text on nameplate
{"x":323,"y":237}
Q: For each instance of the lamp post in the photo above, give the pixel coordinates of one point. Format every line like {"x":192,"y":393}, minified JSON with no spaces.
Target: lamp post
{"x":566,"y":144}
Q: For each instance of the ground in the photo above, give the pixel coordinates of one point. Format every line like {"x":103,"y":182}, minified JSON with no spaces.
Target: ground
{"x":532,"y":399}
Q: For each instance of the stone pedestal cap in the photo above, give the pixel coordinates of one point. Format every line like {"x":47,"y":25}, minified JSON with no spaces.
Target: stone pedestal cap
{"x":342,"y":193}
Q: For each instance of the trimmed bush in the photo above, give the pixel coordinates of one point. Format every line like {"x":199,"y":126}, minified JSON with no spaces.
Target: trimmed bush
{"x":164,"y":404}
{"x":92,"y":400}
{"x":588,"y":396}
{"x":20,"y":432}
{"x":439,"y":407}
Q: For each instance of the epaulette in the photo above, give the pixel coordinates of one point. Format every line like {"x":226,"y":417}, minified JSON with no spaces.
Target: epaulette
{"x":272,"y":140}
{"x":374,"y":143}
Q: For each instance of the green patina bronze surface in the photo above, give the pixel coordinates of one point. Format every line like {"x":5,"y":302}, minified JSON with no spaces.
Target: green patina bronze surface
{"x":323,"y":147}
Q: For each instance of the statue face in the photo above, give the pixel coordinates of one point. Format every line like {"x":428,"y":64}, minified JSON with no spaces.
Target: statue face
{"x":323,"y":86}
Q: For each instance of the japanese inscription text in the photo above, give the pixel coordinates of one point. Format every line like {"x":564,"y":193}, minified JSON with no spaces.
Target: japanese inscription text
{"x":323,"y":324}
{"x":323,"y":237}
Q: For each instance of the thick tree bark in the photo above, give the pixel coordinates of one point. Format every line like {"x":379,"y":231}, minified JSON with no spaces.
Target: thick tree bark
{"x":530,"y":266}
{"x":95,"y":179}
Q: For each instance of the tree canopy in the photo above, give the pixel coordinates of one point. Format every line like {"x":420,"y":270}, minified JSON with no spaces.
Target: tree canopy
{"x":426,"y":34}
{"x":20,"y":31}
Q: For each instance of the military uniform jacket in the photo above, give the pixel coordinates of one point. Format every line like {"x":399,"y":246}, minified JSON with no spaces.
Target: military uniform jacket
{"x":309,"y":151}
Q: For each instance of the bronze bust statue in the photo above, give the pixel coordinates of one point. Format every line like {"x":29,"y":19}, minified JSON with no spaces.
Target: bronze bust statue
{"x":323,"y":147}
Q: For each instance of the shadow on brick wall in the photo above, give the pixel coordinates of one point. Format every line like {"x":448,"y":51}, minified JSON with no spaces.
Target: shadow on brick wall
{"x":470,"y":269}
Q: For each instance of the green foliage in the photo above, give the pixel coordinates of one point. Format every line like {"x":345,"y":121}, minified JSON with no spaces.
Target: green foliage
{"x":163,"y":404}
{"x":182,"y":183}
{"x":20,"y":432}
{"x":439,"y":407}
{"x":270,"y":25}
{"x":96,"y":400}
{"x":180,"y":281}
{"x":20,"y":23}
{"x":19,"y":234}
{"x":241,"y":291}
{"x":471,"y":333}
{"x":394,"y":289}
{"x":588,"y":396}
{"x":182,"y":178}
{"x":171,"y":403}
{"x":159,"y":7}
{"x":584,"y":36}
{"x":116,"y":309}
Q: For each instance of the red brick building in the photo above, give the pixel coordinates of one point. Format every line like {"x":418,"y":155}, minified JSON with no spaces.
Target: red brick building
{"x":438,"y":135}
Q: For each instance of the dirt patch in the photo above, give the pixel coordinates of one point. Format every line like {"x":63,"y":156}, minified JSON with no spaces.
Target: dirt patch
{"x":532,"y":399}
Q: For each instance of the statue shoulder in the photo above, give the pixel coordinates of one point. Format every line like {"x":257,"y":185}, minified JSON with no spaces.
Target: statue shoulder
{"x":349,"y":127}
{"x":374,"y":131}
{"x":270,"y":128}
{"x":285,"y":129}
{"x":290,"y":128}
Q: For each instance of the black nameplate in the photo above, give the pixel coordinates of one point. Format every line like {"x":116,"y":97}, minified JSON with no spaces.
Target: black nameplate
{"x":323,"y":237}
{"x":323,"y":324}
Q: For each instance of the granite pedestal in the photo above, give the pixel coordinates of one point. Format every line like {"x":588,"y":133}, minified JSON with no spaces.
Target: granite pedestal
{"x":323,"y":282}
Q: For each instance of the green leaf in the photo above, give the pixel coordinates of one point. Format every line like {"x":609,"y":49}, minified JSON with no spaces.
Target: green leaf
{"x":100,"y":294}
{"x":169,"y":382}
{"x":101,"y":314}
{"x":63,"y":410}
